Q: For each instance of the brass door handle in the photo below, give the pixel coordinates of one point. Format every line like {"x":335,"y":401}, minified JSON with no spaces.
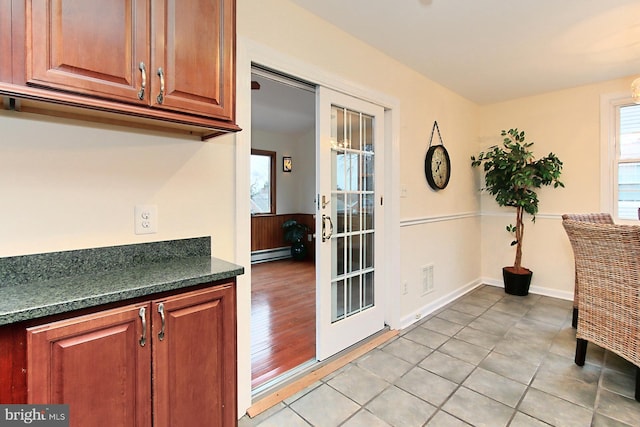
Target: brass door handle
{"x":325,"y":202}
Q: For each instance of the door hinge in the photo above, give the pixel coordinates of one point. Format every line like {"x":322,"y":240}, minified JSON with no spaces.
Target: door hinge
{"x":381,"y":200}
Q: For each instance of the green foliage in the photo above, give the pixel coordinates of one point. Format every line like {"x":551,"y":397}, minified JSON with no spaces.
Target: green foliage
{"x":294,"y":231}
{"x":512,"y":176}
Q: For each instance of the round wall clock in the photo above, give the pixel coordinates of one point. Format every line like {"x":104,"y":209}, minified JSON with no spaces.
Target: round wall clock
{"x":437,"y":167}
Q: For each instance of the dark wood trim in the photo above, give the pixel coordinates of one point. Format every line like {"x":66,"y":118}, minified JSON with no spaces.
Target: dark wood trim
{"x":13,"y":364}
{"x":266,"y":231}
{"x":42,"y":101}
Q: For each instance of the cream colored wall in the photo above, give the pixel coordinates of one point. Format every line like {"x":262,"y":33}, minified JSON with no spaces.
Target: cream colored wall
{"x":294,"y":32}
{"x":70,"y":185}
{"x":438,"y":228}
{"x":567,"y":123}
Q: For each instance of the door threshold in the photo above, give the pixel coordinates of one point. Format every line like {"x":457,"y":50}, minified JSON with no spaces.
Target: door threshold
{"x":273,"y":383}
{"x":312,"y":371}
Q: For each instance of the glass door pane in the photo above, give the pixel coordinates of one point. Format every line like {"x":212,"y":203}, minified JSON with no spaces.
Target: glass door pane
{"x":350,"y":158}
{"x":352,"y":193}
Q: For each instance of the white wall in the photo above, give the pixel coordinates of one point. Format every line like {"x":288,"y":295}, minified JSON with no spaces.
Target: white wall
{"x":304,"y":172}
{"x":295,"y":190}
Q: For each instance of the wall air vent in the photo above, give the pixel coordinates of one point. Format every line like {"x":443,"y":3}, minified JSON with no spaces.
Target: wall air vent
{"x":427,"y":279}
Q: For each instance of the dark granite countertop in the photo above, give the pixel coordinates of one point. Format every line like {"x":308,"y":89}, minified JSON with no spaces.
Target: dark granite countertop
{"x":40,"y":296}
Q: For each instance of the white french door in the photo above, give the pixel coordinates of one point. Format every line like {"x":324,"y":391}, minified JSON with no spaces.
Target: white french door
{"x":349,"y":221}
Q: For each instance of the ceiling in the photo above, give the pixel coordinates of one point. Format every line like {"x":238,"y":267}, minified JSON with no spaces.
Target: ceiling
{"x":485,"y":50}
{"x":495,"y":50}
{"x":287,"y":108}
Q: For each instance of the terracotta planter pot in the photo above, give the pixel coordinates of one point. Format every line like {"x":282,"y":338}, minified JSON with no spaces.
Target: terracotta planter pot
{"x":516,"y":283}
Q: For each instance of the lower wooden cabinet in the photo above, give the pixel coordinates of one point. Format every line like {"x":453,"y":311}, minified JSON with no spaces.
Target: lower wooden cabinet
{"x":165,"y":362}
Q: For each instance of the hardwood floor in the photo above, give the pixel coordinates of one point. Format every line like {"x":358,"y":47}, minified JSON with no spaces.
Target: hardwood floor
{"x":283,"y":318}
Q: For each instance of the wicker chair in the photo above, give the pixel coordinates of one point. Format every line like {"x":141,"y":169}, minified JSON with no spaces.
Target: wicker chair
{"x":596,"y":218}
{"x":608,"y":269}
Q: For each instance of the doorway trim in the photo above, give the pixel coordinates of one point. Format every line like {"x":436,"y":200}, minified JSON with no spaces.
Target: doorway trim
{"x":250,"y":52}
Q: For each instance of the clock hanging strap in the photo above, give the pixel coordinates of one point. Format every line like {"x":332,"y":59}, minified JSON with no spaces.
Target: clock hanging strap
{"x":435,"y":127}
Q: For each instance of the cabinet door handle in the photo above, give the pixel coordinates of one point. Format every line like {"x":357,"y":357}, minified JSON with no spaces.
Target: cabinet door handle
{"x":142,"y":314}
{"x":160,"y":97}
{"x":161,"y":311}
{"x":143,"y":70}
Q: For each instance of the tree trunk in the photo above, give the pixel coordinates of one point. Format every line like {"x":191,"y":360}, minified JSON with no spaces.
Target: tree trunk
{"x":517,"y":264}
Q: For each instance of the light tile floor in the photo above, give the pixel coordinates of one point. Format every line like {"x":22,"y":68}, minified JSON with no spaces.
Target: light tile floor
{"x":486,"y":359}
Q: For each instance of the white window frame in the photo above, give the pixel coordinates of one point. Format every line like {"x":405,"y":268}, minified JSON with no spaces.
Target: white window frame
{"x":609,"y":128}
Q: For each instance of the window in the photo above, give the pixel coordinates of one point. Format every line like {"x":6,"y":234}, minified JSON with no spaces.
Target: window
{"x":627,"y":190}
{"x":263,"y":182}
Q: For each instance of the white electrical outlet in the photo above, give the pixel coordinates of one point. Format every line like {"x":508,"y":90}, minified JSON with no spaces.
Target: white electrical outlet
{"x":405,"y":288}
{"x":146,"y":219}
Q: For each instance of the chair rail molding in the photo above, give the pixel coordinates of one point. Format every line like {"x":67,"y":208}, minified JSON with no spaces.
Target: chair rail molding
{"x":409,"y":222}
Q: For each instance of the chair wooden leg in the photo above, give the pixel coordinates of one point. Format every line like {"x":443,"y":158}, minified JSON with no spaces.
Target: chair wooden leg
{"x":638,"y":383}
{"x":574,"y":320}
{"x":581,"y":351}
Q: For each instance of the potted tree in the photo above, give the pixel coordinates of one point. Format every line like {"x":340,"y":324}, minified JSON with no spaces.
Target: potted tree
{"x":512,"y":176}
{"x":294,"y":233}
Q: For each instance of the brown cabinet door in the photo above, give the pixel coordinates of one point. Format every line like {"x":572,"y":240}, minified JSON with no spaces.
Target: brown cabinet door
{"x":5,"y":41}
{"x":194,"y":361}
{"x":92,"y":47}
{"x":96,"y":365}
{"x":194,"y":44}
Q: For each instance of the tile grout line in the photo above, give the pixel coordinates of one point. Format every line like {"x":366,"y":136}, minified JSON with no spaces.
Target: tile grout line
{"x":491,"y":351}
{"x":530,"y":383}
{"x":554,"y":335}
{"x":476,"y":365}
{"x":596,"y":403}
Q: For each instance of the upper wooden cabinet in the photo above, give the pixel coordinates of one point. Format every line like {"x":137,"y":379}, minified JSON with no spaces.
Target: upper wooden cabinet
{"x":167,"y":60}
{"x":192,"y":45}
{"x":91,"y":47}
{"x":5,"y":41}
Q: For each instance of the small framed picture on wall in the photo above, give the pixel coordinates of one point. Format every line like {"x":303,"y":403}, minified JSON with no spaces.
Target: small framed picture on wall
{"x":287,"y":165}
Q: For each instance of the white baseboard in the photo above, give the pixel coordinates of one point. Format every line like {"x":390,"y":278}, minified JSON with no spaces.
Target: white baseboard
{"x":426,"y":310}
{"x":435,"y":305}
{"x":538,"y":290}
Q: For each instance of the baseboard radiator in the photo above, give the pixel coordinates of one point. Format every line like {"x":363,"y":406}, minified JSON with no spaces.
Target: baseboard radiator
{"x":270,"y":254}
